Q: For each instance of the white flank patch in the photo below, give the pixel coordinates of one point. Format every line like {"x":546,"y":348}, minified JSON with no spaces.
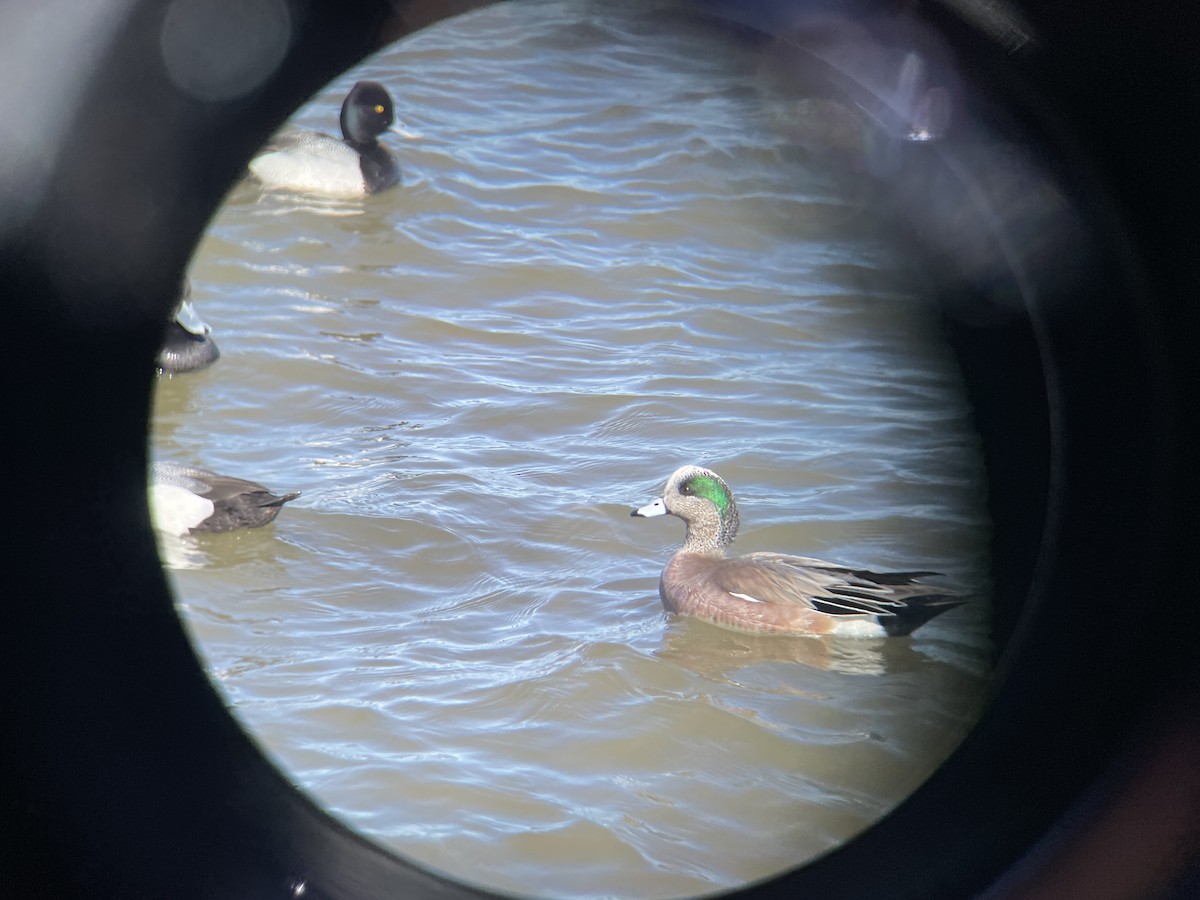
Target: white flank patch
{"x":177,"y":510}
{"x":310,"y":174}
{"x":863,"y":628}
{"x":747,"y":597}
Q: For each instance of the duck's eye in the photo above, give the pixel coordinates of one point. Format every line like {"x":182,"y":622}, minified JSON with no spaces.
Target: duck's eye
{"x":687,"y":489}
{"x":379,"y":108}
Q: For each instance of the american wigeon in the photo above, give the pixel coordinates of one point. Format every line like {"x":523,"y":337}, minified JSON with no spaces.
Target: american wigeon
{"x":189,"y":500}
{"x":776,"y":592}
{"x":315,"y":163}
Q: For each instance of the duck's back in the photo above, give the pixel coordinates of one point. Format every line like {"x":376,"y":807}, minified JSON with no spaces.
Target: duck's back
{"x":311,"y":162}
{"x":776,"y":592}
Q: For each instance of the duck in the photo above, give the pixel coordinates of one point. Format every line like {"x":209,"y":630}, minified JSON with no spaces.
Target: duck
{"x":777,"y":592}
{"x":190,"y":500}
{"x":187,"y":345}
{"x":315,"y":163}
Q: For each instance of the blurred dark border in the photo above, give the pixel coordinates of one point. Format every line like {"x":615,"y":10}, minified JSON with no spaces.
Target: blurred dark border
{"x":124,"y":776}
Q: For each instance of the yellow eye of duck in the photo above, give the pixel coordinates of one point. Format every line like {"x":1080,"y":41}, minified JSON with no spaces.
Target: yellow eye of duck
{"x":379,"y":107}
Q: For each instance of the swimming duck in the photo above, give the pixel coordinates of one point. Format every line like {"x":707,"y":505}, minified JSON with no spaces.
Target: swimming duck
{"x":776,"y":592}
{"x":189,"y":500}
{"x":316,"y":163}
{"x":186,"y":345}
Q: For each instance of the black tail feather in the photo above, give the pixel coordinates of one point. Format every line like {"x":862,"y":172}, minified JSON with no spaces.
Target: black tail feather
{"x":917,"y":611}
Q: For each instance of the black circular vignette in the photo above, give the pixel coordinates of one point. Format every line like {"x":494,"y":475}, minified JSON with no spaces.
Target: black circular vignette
{"x":123,"y":773}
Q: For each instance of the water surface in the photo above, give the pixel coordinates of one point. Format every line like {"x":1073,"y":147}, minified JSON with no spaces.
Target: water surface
{"x":606,"y":260}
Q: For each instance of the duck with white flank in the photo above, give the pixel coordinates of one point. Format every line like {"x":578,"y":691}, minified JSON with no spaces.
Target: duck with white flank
{"x":775,"y":592}
{"x":315,"y":163}
{"x":189,"y":500}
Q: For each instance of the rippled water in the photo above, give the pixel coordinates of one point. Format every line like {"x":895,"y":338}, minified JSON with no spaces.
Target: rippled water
{"x":605,"y":261}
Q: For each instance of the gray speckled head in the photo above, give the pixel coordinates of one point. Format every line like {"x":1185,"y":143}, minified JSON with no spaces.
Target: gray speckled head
{"x":704,"y":501}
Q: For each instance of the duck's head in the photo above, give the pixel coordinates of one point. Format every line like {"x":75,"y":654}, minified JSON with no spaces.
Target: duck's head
{"x":186,"y":345}
{"x":704,"y":501}
{"x":367,"y":112}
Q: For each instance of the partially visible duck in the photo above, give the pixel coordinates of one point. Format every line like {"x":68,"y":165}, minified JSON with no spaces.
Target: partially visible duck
{"x":186,"y":344}
{"x":775,"y":592}
{"x":315,"y":163}
{"x":189,"y":500}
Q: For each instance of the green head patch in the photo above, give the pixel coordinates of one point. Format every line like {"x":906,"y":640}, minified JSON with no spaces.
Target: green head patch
{"x":713,"y":489}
